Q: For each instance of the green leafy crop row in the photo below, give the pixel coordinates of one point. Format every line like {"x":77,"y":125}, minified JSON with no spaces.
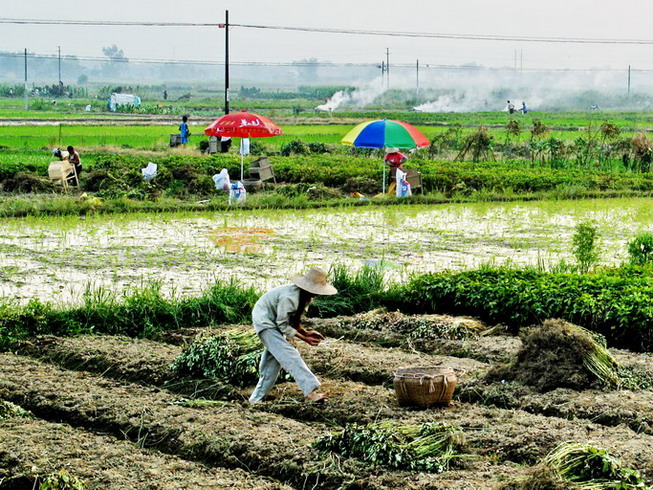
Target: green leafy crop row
{"x":617,"y":303}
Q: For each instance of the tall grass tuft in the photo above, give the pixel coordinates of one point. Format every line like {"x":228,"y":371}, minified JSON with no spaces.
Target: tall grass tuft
{"x":358,"y":291}
{"x":143,"y":312}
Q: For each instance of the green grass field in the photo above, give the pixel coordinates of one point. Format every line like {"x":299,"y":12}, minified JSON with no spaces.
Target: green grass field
{"x":156,"y":136}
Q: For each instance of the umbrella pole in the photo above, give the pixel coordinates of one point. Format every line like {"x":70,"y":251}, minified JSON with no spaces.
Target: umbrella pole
{"x":383,"y":179}
{"x":241,"y":167}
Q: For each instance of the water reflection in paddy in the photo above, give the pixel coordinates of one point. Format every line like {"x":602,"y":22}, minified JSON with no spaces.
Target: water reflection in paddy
{"x":56,"y":258}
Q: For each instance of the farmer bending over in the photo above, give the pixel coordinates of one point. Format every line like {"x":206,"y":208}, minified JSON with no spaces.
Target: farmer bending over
{"x":276,"y":318}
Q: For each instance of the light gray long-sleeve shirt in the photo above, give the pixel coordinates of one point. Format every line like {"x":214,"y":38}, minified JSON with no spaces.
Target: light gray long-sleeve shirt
{"x":274,"y":309}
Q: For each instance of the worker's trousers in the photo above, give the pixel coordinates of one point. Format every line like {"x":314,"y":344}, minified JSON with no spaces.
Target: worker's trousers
{"x":279,"y":353}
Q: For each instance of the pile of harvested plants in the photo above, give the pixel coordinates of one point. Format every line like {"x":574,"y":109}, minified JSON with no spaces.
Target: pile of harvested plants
{"x":9,"y":410}
{"x":560,"y":354}
{"x":231,"y":357}
{"x":583,"y":466}
{"x":428,"y":447}
{"x":414,"y":328}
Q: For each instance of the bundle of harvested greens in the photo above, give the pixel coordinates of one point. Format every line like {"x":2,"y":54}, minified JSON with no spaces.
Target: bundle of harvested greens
{"x":232,"y":357}
{"x":414,"y":328}
{"x":427,"y":447}
{"x":587,"y":467}
{"x":560,"y":354}
{"x":8,"y":411}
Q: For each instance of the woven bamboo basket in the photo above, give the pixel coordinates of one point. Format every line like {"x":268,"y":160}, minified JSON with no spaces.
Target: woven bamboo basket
{"x":425,"y":387}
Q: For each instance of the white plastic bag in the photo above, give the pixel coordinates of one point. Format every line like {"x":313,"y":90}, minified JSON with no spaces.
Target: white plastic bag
{"x":403,"y":187}
{"x":244,"y":146}
{"x":222,"y":181}
{"x":149,"y":172}
{"x":237,"y":193}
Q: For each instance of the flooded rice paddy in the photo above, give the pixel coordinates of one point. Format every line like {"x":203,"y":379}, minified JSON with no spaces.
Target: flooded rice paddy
{"x":56,"y":259}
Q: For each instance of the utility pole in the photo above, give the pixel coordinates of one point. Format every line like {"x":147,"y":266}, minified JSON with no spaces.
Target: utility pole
{"x":226,"y":62}
{"x":225,"y":26}
{"x":628,"y":80}
{"x":417,"y":78}
{"x":25,"y":91}
{"x":387,"y":66}
{"x":59,"y":48}
{"x":521,"y":60}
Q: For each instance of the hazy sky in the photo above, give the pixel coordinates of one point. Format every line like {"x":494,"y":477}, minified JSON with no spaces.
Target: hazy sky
{"x":627,"y":19}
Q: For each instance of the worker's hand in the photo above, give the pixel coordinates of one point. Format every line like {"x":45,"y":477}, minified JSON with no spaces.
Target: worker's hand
{"x":309,"y":339}
{"x":314,"y":333}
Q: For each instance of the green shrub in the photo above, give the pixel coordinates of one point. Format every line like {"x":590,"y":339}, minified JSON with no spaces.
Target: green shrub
{"x":585,"y":246}
{"x":295,"y":147}
{"x":641,"y":249}
{"x":615,"y":303}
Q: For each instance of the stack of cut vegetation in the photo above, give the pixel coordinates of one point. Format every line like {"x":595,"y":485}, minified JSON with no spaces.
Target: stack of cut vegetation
{"x":415,"y":329}
{"x":8,"y":411}
{"x":60,"y":480}
{"x":560,"y":354}
{"x":581,"y":466}
{"x":232,"y":357}
{"x":428,"y":447}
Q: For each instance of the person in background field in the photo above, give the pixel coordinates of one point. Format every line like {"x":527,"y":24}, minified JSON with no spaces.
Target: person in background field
{"x":511,"y":108}
{"x":184,"y":132}
{"x":225,"y":144}
{"x":276,"y":318}
{"x":165,"y":95}
{"x":394,"y":159}
{"x":523,"y":109}
{"x":73,"y":158}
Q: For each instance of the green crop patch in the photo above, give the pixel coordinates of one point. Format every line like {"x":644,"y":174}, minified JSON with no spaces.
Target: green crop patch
{"x":428,"y":447}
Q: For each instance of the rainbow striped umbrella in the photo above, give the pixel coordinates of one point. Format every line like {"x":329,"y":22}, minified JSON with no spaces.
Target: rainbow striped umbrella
{"x":385,"y":133}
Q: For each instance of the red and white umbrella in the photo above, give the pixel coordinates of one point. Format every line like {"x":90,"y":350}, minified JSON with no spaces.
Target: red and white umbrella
{"x":243,"y":124}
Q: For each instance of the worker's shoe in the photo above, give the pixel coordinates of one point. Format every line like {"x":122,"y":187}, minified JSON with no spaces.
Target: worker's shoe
{"x":316,"y":397}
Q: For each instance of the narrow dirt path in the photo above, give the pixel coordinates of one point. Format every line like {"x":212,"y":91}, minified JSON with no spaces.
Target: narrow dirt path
{"x":31,"y":448}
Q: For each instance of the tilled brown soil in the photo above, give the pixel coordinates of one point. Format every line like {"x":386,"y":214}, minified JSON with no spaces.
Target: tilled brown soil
{"x":507,"y":428}
{"x":32,"y":448}
{"x":229,"y":435}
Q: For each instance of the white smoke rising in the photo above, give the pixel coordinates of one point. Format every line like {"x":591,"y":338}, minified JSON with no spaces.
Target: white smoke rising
{"x":476,"y":90}
{"x":359,"y":97}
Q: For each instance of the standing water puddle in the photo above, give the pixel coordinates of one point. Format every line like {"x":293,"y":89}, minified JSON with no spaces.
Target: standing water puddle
{"x":58,"y":258}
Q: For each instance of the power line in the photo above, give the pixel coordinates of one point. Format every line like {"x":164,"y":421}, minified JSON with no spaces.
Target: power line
{"x":105,"y":23}
{"x":474,"y":37}
{"x":478,"y":37}
{"x":324,"y":64}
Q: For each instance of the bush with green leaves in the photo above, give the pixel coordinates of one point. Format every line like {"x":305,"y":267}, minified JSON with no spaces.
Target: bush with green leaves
{"x":295,"y":147}
{"x":585,"y":246}
{"x":640,"y":249}
{"x":615,"y":303}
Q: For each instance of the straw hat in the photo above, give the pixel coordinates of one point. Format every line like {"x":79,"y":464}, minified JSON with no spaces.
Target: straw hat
{"x":315,"y":282}
{"x":392,"y":150}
